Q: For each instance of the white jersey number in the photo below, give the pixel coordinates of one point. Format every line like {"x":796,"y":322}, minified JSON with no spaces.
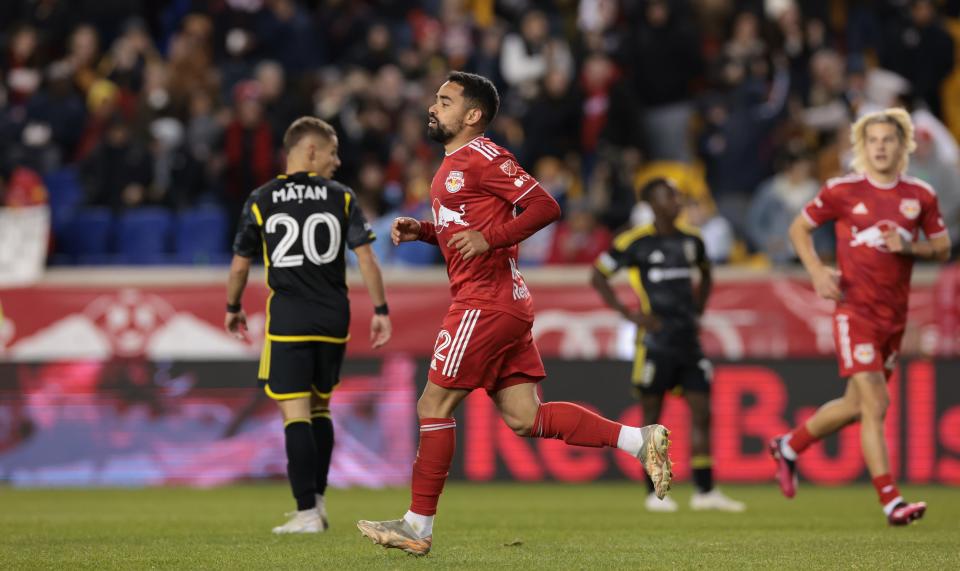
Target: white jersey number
{"x":291,"y":230}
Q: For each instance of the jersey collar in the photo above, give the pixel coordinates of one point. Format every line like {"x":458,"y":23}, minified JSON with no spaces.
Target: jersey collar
{"x":883,"y":186}
{"x":464,"y":145}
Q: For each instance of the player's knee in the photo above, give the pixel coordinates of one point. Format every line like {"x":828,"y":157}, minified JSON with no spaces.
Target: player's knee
{"x":874,"y":408}
{"x":519,"y":426}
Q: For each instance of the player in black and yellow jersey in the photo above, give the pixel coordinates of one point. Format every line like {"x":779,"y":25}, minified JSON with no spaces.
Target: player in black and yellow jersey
{"x":301,"y":223}
{"x":661,"y":259}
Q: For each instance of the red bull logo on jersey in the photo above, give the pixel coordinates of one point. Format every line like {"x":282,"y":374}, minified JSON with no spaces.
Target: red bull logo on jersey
{"x":872,"y":236}
{"x":454,"y":181}
{"x":443,"y":216}
{"x":910,"y":207}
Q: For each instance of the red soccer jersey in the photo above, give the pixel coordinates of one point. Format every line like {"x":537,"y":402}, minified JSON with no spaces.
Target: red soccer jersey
{"x":476,"y":188}
{"x":875,"y":282}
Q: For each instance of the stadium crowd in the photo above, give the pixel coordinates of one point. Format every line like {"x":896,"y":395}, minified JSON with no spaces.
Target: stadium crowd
{"x":112,"y":107}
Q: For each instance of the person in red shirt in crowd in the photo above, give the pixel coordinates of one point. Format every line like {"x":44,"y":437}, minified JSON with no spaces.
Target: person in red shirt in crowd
{"x":484,"y":204}
{"x":879,"y":214}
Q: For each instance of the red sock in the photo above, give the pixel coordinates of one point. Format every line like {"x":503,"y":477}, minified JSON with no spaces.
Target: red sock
{"x":886,"y":489}
{"x":575,"y":425}
{"x":801,"y":439}
{"x":438,"y":438}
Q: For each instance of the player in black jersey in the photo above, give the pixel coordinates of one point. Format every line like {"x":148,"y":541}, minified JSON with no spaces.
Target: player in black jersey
{"x":301,"y":223}
{"x":661,"y":258}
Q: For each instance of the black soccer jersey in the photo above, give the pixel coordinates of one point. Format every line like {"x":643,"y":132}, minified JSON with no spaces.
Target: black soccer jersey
{"x":301,"y":224}
{"x":661,"y":271}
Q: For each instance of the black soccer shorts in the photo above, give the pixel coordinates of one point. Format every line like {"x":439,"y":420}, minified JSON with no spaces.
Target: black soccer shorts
{"x":298,"y":369}
{"x":656,"y":372}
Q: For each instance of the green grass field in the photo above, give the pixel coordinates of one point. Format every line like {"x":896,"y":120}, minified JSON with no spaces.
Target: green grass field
{"x":503,"y":526}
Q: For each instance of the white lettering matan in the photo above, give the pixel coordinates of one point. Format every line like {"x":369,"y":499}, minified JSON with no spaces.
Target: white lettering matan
{"x":299,"y":192}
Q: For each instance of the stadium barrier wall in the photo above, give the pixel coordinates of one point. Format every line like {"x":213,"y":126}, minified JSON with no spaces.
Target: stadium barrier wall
{"x":136,"y":422}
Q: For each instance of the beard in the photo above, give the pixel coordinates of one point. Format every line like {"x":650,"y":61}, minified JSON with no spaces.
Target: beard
{"x":440,"y":133}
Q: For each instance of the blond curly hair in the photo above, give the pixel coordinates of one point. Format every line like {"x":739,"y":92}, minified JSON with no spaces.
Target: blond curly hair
{"x":895,"y":116}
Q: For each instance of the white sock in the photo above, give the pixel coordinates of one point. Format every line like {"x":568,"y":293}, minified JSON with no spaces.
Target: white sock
{"x":422,"y":525}
{"x":321,"y":503}
{"x":785,"y":449}
{"x":888,"y":509}
{"x":630,"y":440}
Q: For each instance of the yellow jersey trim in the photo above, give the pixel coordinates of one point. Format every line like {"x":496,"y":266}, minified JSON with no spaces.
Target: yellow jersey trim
{"x":256,"y":214}
{"x":623,"y":241}
{"x":295,"y":420}
{"x":346,"y":203}
{"x":288,"y":396}
{"x":299,"y":338}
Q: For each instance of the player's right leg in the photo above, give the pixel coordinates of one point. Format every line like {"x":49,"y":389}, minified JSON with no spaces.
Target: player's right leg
{"x":413,"y":533}
{"x":521,"y":409}
{"x":329,"y":359}
{"x":286,"y":372}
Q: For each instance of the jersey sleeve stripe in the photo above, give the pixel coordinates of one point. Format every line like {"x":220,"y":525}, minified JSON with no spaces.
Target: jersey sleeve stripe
{"x":808,"y":218}
{"x":526,"y":192}
{"x":476,"y":147}
{"x":921,"y":183}
{"x":488,"y":148}
{"x":943,"y":232}
{"x":256,"y":213}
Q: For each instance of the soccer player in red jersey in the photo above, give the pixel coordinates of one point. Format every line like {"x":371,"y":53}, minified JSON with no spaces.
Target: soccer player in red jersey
{"x":879,"y":214}
{"x":484,"y":205}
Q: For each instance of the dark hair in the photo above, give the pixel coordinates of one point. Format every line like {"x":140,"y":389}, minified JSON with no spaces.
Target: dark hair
{"x":307,"y":126}
{"x":480,"y":91}
{"x":646,"y":192}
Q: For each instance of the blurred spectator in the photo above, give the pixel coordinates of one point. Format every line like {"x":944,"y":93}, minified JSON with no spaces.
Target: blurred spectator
{"x":23,"y":65}
{"x":778,"y":201}
{"x":920,"y":50}
{"x":664,"y":59}
{"x":84,"y":55}
{"x":118,"y":171}
{"x":249,"y":148}
{"x":944,"y":176}
{"x":526,"y":56}
{"x":578,"y":239}
{"x":552,"y":123}
{"x":290,"y":36}
{"x":60,"y":107}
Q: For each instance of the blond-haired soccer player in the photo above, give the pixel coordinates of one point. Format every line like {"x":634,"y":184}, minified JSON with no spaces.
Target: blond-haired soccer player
{"x":879,"y":213}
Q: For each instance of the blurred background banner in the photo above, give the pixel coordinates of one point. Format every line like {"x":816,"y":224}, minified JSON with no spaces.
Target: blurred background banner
{"x":750,"y":316}
{"x":23,"y":244}
{"x":138,"y":422}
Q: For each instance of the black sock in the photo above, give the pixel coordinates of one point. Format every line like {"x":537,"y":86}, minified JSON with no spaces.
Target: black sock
{"x":650,"y":487}
{"x":323,"y":440}
{"x":301,"y":463}
{"x":703,"y":473}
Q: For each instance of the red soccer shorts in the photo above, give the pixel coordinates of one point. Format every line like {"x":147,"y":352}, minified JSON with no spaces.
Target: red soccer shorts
{"x":484,"y":349}
{"x":862,"y":346}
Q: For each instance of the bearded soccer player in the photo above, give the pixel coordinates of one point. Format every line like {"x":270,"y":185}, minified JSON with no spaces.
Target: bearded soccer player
{"x":484,"y":204}
{"x":301,"y":223}
{"x":879,"y":214}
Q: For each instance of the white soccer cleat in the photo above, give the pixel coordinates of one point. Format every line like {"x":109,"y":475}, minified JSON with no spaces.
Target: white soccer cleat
{"x":306,"y":521}
{"x":655,"y":457}
{"x":715,"y":500}
{"x":655,"y":504}
{"x":322,"y":510}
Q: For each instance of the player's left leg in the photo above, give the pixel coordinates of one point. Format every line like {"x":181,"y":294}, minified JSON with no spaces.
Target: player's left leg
{"x":328,"y":361}
{"x":523,"y":412}
{"x":874,"y":401}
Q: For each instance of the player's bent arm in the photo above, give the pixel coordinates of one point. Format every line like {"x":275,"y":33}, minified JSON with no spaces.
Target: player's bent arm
{"x":705,"y":287}
{"x":237,"y":280}
{"x":601,"y":283}
{"x":539,"y":210}
{"x":801,"y":236}
{"x":936,"y":248}
{"x":370,"y":270}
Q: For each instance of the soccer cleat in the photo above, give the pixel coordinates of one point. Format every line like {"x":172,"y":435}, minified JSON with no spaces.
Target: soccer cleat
{"x":655,"y":457}
{"x":786,"y":469}
{"x":655,"y":504}
{"x":306,"y":521}
{"x":715,"y":500}
{"x":395,"y":534}
{"x":905,"y":514}
{"x":322,"y":510}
